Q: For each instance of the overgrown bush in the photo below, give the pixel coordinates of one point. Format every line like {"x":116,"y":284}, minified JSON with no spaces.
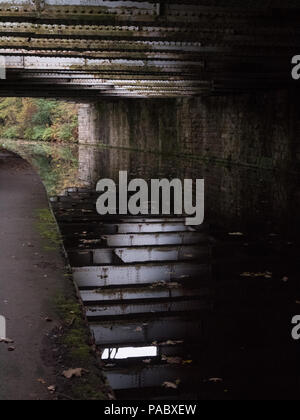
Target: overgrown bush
{"x":11,"y":132}
{"x":38,"y":120}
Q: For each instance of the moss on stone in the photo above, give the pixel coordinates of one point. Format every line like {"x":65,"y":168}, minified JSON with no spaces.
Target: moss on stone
{"x":48,"y":229}
{"x":74,"y":339}
{"x":78,"y":351}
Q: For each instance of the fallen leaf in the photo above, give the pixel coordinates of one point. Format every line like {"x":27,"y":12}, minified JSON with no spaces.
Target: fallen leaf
{"x":6,"y":341}
{"x":171,"y":385}
{"x":69,"y":374}
{"x":52,"y":389}
{"x":41,"y":381}
{"x":11,"y":348}
{"x":215,"y":380}
{"x":235,"y":234}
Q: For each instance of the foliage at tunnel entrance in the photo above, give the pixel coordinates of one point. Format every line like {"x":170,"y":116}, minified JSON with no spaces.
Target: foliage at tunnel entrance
{"x":38,"y":120}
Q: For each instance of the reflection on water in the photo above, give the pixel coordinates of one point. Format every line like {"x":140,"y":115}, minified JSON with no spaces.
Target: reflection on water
{"x":237,"y":198}
{"x":56,"y":164}
{"x":242,"y":347}
{"x":129,"y":352}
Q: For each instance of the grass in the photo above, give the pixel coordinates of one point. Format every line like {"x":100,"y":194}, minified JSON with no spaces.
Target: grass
{"x":73,"y":338}
{"x":48,"y":229}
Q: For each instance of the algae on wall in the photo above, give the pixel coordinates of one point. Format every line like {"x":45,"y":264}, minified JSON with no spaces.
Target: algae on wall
{"x":139,"y":124}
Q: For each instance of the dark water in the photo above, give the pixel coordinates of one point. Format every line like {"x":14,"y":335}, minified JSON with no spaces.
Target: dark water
{"x":254,"y":223}
{"x":237,"y":198}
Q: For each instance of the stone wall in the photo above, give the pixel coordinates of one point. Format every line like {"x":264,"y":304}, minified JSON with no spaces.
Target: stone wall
{"x":257,"y":129}
{"x":138,"y":124}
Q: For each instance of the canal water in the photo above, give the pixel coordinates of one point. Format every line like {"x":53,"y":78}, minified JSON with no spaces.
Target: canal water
{"x":202,"y":314}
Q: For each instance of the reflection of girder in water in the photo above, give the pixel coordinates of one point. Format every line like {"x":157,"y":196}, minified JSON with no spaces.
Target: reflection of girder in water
{"x":145,"y":302}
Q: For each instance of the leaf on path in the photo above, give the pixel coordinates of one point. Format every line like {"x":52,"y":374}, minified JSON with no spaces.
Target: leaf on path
{"x":6,"y":341}
{"x":52,"y":389}
{"x":69,"y":374}
{"x":41,"y":381}
{"x":215,"y":380}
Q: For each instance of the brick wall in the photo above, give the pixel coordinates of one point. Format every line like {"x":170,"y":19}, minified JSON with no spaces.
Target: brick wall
{"x":258,"y":130}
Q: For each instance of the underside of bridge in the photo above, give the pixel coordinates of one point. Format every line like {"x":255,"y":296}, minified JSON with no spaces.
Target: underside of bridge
{"x":200,"y":82}
{"x":205,"y":77}
{"x":89,"y":49}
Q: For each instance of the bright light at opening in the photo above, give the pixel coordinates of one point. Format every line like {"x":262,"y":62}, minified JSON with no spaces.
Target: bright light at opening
{"x":128,"y":352}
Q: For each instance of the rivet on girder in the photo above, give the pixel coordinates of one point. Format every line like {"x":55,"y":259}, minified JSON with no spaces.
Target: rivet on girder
{"x":39,"y":5}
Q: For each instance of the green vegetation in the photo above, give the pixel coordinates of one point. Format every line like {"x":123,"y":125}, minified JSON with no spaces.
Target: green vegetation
{"x":38,"y":120}
{"x":77,"y":348}
{"x":72,"y":338}
{"x":48,"y":229}
{"x":56,"y":163}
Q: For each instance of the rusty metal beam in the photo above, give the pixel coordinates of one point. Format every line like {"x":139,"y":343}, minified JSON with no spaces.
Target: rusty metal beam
{"x":145,"y":42}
